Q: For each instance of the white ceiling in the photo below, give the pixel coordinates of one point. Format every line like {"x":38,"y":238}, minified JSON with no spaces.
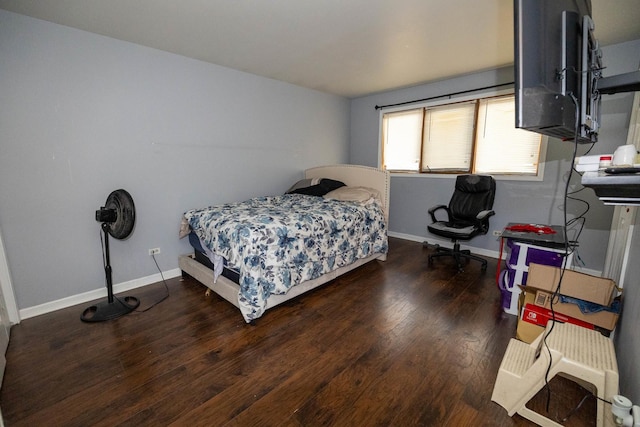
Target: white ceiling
{"x":345,"y":47}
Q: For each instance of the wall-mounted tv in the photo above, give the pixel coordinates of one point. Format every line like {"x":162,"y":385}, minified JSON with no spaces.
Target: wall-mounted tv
{"x":557,"y":65}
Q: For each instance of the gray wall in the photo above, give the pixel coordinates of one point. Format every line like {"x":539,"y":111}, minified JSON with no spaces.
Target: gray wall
{"x":83,"y":115}
{"x":627,"y":338}
{"x":516,"y":201}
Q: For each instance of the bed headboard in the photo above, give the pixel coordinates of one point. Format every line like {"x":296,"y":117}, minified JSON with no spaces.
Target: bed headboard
{"x":356,"y":176}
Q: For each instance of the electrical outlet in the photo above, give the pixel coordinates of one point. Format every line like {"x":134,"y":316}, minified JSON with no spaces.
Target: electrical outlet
{"x":154,"y":251}
{"x":497,"y":233}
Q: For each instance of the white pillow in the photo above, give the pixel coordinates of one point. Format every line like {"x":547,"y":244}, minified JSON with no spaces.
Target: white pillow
{"x":354,"y":194}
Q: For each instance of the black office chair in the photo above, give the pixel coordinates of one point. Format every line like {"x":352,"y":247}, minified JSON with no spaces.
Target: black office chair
{"x":467,"y":216}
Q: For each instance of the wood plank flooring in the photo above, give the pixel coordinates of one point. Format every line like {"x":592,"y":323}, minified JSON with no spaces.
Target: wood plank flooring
{"x":395,"y":343}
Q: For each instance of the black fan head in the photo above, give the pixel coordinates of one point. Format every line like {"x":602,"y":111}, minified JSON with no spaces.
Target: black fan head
{"x":119,"y":214}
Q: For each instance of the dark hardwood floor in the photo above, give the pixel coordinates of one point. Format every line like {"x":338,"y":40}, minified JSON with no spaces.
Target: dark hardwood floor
{"x":397,"y":343}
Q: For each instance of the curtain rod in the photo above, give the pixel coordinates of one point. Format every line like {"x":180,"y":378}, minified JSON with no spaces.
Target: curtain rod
{"x":379,"y":107}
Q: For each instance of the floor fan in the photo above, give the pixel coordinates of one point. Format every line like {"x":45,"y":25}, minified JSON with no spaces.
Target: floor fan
{"x":118,"y":216}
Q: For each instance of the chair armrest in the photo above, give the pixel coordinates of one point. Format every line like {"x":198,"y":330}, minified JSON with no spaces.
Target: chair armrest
{"x":483,"y":220}
{"x":434,"y":209}
{"x":482,"y":215}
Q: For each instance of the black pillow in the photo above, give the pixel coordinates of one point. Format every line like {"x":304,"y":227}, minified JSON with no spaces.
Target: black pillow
{"x":323,"y":187}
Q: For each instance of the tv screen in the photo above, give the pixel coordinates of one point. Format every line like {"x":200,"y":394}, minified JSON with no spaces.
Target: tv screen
{"x":557,"y":64}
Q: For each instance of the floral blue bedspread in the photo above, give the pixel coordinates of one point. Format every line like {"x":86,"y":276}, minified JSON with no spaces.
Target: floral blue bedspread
{"x":277,"y":242}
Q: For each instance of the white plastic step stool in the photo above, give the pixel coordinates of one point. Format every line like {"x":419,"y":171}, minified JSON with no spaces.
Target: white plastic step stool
{"x":580,"y":354}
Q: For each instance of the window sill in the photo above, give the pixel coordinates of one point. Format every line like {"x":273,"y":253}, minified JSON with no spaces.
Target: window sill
{"x":538,"y":178}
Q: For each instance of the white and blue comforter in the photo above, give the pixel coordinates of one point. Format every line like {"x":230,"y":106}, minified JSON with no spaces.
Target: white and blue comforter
{"x":277,"y":242}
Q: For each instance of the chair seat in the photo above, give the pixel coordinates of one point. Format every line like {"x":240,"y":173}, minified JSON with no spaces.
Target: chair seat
{"x":442,"y":229}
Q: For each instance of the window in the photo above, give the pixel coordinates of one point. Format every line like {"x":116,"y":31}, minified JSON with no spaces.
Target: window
{"x":476,"y":136}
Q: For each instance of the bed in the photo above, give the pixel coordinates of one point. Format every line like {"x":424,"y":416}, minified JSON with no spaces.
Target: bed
{"x":255,"y":259}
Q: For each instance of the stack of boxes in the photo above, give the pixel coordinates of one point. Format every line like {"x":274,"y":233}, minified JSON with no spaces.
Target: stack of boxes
{"x":519,"y":256}
{"x":582,"y":299}
{"x":528,"y":285}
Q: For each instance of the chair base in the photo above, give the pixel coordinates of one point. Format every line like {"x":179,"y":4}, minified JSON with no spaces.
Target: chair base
{"x":459,"y":255}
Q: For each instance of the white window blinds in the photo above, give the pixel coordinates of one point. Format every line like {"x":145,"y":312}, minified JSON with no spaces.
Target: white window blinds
{"x":448,"y":137}
{"x":502,"y":148}
{"x":477,"y":136}
{"x":402,"y":137}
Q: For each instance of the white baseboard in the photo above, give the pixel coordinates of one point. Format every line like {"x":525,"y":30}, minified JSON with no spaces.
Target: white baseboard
{"x":445,"y":243}
{"x":478,"y":251}
{"x":597,"y":273}
{"x":48,"y":307}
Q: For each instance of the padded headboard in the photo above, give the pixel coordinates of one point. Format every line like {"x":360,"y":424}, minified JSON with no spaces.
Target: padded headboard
{"x":357,"y":176}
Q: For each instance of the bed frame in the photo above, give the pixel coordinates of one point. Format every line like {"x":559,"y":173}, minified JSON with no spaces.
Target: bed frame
{"x":351,"y":175}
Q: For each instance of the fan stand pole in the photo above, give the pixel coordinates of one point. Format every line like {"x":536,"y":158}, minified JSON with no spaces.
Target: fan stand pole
{"x":113,"y":307}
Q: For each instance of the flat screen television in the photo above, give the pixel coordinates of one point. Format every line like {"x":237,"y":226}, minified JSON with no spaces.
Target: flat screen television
{"x":557,"y":65}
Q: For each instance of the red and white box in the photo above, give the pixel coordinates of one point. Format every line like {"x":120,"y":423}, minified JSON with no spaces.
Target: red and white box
{"x":537,"y":315}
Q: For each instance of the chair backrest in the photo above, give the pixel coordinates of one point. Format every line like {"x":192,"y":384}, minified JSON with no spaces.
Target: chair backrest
{"x":473,"y":194}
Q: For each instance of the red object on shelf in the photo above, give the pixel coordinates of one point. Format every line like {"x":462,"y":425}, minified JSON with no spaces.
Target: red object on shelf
{"x":531,"y":228}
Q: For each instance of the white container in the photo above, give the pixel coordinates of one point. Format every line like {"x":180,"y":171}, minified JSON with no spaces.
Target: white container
{"x":625,"y":155}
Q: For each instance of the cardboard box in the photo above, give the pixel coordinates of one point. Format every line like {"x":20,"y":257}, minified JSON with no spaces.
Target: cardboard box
{"x":577,"y":285}
{"x":525,"y":331}
{"x":604,"y":319}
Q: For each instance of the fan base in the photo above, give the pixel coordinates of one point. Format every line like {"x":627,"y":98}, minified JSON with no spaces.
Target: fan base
{"x":110,"y":310}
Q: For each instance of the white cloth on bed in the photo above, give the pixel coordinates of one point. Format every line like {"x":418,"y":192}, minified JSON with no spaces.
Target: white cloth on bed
{"x":216,"y":260}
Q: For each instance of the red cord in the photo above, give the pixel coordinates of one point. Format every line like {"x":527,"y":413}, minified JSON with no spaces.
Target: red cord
{"x":499,"y":263}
